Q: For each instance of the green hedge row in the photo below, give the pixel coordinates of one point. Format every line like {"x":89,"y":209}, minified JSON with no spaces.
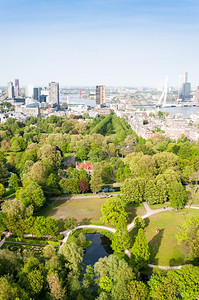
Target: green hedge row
{"x":32,"y":241}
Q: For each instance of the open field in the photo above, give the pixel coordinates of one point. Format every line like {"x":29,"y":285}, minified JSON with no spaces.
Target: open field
{"x":157,"y":206}
{"x":193,"y":196}
{"x":134,"y":211}
{"x":86,"y":210}
{"x":164,"y":246}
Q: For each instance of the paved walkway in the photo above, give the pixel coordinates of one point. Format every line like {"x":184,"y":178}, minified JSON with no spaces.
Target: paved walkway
{"x":2,"y":242}
{"x":83,"y":196}
{"x":150,"y":212}
{"x":165,"y":267}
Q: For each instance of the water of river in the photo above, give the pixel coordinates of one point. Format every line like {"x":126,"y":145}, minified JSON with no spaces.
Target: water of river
{"x":100,"y":247}
{"x":185,"y":111}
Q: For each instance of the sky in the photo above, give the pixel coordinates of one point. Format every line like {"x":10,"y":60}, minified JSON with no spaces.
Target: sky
{"x":90,"y":42}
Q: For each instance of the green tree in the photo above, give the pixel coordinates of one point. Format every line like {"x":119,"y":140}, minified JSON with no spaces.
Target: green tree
{"x":115,"y":270}
{"x":35,"y":281}
{"x":189,"y":235}
{"x":3,"y":173}
{"x":13,"y":182}
{"x":133,"y":191}
{"x":96,"y":181}
{"x":15,"y":214}
{"x":32,"y":194}
{"x":137,"y":290}
{"x":175,"y":284}
{"x":151,"y":193}
{"x":57,"y":292}
{"x":112,"y":210}
{"x":9,"y":262}
{"x":121,"y":240}
{"x":2,"y":190}
{"x":8,"y":290}
{"x":45,"y":226}
{"x":70,"y":223}
{"x":73,"y":256}
{"x":139,"y":222}
{"x":177,"y":195}
{"x":140,"y":250}
{"x":50,"y":156}
{"x":38,"y":173}
{"x":165,"y":160}
{"x":70,"y":186}
{"x":107,"y":173}
{"x":81,"y":153}
{"x":161,"y":188}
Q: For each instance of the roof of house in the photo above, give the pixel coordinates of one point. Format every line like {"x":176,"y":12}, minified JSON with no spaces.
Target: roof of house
{"x":85,"y":165}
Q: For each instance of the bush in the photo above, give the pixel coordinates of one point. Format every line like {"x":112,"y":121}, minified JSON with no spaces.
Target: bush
{"x":54,"y":243}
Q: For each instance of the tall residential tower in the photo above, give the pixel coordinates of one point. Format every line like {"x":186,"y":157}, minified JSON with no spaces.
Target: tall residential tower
{"x":100,"y":95}
{"x":53,"y":98}
{"x":16,"y":88}
{"x":10,"y":90}
{"x":184,"y":89}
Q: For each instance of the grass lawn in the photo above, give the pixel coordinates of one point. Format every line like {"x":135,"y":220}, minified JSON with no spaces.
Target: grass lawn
{"x":193,"y":197}
{"x":164,"y":246}
{"x":84,"y":210}
{"x":157,"y":206}
{"x":134,"y":211}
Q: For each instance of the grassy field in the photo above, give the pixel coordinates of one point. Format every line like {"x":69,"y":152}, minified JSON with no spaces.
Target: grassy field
{"x":86,"y":211}
{"x":157,"y":206}
{"x":164,"y":246}
{"x":134,"y":211}
{"x":193,"y":196}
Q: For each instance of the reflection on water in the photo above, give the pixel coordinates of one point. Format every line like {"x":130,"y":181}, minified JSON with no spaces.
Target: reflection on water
{"x":101,"y":247}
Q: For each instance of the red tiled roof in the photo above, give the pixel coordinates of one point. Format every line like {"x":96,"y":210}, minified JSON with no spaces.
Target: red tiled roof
{"x":87,"y":166}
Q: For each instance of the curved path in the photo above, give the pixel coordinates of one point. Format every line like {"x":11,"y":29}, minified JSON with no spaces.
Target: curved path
{"x":149,"y":212}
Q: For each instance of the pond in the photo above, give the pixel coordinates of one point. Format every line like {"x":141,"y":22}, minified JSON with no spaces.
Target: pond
{"x":100,"y":247}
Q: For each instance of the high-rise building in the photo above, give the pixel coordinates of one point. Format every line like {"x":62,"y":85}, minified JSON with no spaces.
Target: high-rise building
{"x":16,"y":88}
{"x":181,"y":81}
{"x":37,"y":93}
{"x":29,"y":90}
{"x":53,"y":98}
{"x":100,"y":95}
{"x":184,"y":88}
{"x":10,"y":90}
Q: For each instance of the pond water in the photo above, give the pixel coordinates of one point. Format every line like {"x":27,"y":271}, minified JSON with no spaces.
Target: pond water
{"x":100,"y":247}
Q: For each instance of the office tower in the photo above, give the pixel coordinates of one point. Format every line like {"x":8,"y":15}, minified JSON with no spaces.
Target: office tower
{"x":10,"y":90}
{"x":53,"y":98}
{"x":186,"y":95}
{"x":100,"y":95}
{"x":181,"y":81}
{"x":16,"y":88}
{"x":37,"y":93}
{"x":29,"y":90}
{"x":184,"y":88}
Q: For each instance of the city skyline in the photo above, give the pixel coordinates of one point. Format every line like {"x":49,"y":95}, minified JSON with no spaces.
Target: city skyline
{"x":84,"y":43}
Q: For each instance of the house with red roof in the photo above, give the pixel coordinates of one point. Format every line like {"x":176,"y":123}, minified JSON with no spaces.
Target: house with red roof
{"x":86,"y":166}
